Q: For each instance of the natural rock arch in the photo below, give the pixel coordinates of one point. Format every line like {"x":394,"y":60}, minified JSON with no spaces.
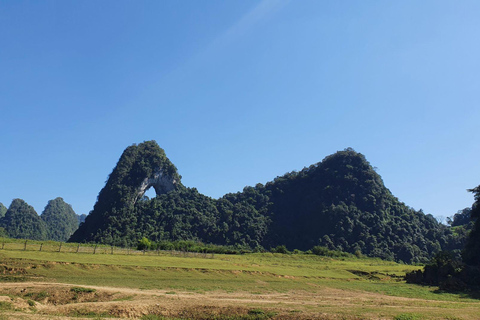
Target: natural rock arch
{"x":140,"y":167}
{"x":159,"y":181}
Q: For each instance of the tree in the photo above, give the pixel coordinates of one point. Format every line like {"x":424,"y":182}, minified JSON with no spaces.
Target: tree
{"x":471,"y":253}
{"x":144,"y":244}
{"x":462,"y":217}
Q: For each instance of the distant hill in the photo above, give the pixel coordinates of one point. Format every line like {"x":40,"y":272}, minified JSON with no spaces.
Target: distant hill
{"x":340,"y":203}
{"x":60,"y":220}
{"x":3,"y":210}
{"x":81,"y":218}
{"x":57,"y":222}
{"x":22,"y":221}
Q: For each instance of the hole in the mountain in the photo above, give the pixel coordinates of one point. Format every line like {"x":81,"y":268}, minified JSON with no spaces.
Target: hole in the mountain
{"x":150,"y":193}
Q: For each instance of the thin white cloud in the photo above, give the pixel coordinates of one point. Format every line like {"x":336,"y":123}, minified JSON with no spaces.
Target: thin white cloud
{"x":260,"y":12}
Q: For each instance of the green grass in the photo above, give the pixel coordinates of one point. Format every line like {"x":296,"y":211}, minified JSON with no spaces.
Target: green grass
{"x":81,"y":290}
{"x":5,"y":305}
{"x":255,"y":273}
{"x":279,"y":264}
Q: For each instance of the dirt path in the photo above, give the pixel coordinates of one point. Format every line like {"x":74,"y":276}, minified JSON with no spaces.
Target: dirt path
{"x":51,"y":299}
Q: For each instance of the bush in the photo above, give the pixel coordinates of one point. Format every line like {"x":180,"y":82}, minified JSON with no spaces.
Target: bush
{"x":280,"y":249}
{"x":408,"y":316}
{"x":323,"y":251}
{"x":80,"y":289}
{"x":144,"y":244}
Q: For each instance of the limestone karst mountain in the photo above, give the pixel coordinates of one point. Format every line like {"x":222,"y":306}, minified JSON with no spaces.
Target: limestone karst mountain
{"x":340,"y":203}
{"x":3,"y":210}
{"x":139,"y":168}
{"x":60,"y":220}
{"x":22,"y":221}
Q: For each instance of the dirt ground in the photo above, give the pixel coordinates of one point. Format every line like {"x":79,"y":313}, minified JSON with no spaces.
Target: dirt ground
{"x":38,"y":300}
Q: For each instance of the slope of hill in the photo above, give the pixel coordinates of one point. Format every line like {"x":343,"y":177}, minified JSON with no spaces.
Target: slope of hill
{"x":60,"y":220}
{"x":340,"y":203}
{"x":3,"y":210}
{"x":21,"y":221}
{"x":113,"y":217}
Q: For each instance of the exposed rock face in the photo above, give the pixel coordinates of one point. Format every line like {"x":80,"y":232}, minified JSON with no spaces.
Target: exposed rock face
{"x":139,"y":168}
{"x":161,"y":182}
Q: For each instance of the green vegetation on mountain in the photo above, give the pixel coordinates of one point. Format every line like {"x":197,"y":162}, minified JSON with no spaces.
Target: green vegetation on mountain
{"x":447,"y":270}
{"x":114,"y":216}
{"x":81,"y":218}
{"x":60,"y":220}
{"x":21,"y":221}
{"x":186,"y":214}
{"x":340,"y":203}
{"x":3,"y":210}
{"x":461,"y":225}
{"x":471,"y":254}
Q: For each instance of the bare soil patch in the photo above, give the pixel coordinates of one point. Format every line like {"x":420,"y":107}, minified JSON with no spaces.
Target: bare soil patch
{"x":34,"y":300}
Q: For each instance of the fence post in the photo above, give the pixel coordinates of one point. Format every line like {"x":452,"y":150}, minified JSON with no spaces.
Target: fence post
{"x":25,"y":246}
{"x":112,"y":249}
{"x":41,"y":245}
{"x":78,"y":247}
{"x":60,"y":248}
{"x":3,"y":245}
{"x":95,"y":249}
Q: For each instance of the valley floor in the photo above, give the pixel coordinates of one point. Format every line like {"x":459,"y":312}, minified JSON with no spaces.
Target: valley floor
{"x":36,"y":285}
{"x":325,"y":303}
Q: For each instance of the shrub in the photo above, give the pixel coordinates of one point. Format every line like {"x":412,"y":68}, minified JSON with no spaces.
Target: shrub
{"x":144,"y":244}
{"x":280,"y":249}
{"x":80,"y":289}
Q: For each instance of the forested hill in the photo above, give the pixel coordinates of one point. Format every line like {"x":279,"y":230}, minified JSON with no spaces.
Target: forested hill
{"x":340,"y":203}
{"x":57,"y":222}
{"x":114,"y":218}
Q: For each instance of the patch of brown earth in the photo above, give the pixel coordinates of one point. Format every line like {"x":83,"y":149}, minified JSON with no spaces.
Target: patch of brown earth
{"x":325,"y":303}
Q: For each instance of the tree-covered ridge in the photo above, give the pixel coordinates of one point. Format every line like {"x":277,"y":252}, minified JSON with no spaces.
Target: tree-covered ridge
{"x":114,"y":213}
{"x":471,"y":254}
{"x":340,"y":203}
{"x":447,"y":270}
{"x":60,"y":220}
{"x":3,"y":210}
{"x":81,"y":218}
{"x":21,"y":221}
{"x":186,"y":214}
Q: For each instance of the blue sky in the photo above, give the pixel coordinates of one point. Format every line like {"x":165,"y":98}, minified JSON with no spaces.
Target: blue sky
{"x":239,"y":92}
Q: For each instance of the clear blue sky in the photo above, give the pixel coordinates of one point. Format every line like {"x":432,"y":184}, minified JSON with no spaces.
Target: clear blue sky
{"x":239,"y":92}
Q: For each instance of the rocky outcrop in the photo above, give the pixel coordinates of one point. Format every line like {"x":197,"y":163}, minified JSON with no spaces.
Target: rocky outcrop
{"x":140,"y":167}
{"x":161,"y":182}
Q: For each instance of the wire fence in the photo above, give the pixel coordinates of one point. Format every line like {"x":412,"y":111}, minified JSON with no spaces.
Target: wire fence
{"x":52,"y":246}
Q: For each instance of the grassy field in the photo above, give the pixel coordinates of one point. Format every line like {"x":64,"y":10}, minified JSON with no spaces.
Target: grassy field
{"x":282,"y":286}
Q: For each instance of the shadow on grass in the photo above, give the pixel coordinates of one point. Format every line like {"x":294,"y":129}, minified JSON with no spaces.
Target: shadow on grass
{"x":466,"y":294}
